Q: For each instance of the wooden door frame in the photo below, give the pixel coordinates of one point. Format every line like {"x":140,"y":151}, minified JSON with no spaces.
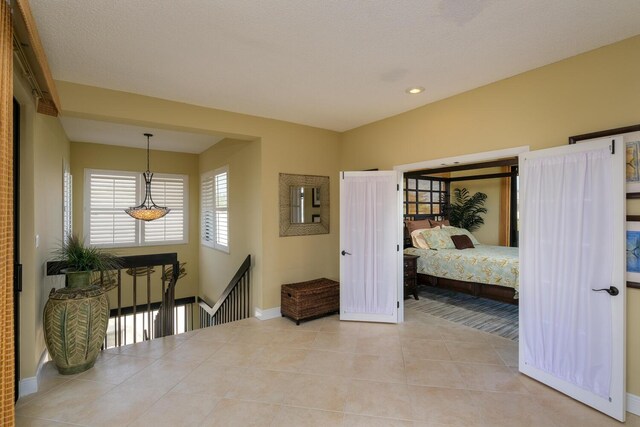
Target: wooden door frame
{"x":17,"y":281}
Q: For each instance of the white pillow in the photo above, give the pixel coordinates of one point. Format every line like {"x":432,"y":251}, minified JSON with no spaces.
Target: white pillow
{"x":418,"y":239}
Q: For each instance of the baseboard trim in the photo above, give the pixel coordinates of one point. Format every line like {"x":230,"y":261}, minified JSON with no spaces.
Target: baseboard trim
{"x":633,"y":404}
{"x":270,"y":313}
{"x":29,"y":385}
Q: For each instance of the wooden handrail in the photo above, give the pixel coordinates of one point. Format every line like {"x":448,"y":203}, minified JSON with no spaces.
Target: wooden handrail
{"x":232,"y":284}
{"x":131,"y":261}
{"x":163,"y":324}
{"x":233,"y":304}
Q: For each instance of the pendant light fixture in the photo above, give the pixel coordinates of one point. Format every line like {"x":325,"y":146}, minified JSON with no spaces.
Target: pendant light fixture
{"x":148,"y":210}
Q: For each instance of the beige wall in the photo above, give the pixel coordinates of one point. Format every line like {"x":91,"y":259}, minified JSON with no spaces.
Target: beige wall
{"x":489,"y":232}
{"x":44,"y":147}
{"x":97,"y":156}
{"x":541,"y":108}
{"x":245,"y":215}
{"x":285,"y":147}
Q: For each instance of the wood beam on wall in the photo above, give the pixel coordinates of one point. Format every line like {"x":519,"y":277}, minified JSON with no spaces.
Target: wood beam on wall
{"x":29,"y":52}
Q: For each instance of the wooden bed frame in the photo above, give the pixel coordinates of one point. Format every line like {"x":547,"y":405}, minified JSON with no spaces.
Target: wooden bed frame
{"x":494,"y":292}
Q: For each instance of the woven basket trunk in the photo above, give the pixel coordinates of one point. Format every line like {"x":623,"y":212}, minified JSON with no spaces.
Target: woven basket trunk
{"x":75,"y":324}
{"x":308,"y":300}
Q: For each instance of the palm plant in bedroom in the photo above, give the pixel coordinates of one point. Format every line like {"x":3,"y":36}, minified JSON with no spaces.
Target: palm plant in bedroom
{"x":465,"y":210}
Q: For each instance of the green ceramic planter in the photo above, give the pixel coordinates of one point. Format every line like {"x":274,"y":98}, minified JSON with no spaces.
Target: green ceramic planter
{"x":75,"y":324}
{"x":78,"y":279}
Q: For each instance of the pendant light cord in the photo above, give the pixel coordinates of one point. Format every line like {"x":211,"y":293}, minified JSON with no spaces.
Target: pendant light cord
{"x":148,"y":135}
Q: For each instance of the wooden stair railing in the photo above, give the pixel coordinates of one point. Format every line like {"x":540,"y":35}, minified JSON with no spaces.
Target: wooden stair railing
{"x":234,"y":303}
{"x":140,"y":266}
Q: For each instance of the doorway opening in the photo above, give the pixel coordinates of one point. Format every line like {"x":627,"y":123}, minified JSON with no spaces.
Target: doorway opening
{"x":448,"y":277}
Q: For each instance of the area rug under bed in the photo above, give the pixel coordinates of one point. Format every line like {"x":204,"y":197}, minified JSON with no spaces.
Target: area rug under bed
{"x":490,"y":316}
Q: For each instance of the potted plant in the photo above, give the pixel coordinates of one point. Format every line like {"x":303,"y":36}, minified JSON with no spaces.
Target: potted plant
{"x":465,"y":210}
{"x":76,"y":317}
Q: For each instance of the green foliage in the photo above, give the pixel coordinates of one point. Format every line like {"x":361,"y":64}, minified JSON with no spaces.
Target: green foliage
{"x":465,"y":210}
{"x":85,"y":258}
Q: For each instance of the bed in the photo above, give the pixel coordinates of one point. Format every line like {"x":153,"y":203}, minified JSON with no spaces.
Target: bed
{"x":484,"y":271}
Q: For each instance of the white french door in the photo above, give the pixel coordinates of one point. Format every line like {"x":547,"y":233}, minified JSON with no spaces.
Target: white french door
{"x":369,"y":247}
{"x":572,"y":271}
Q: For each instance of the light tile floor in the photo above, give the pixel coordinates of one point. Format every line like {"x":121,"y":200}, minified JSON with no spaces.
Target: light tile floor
{"x":424,"y":372}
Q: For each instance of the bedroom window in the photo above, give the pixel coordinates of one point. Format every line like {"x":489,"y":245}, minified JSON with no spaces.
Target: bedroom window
{"x":214,"y":209}
{"x":423,"y":196}
{"x":108,"y":193}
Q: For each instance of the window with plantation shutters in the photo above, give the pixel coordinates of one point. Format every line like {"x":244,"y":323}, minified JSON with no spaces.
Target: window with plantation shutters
{"x":67,"y":183}
{"x":109,"y":193}
{"x":170,"y":191}
{"x":214,"y":209}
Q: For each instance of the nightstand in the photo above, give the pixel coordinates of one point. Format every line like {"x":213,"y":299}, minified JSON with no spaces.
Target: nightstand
{"x":411,"y":275}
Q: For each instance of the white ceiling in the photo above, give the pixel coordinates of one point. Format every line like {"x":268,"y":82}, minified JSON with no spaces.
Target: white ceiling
{"x":98,"y":132}
{"x":331,"y":64}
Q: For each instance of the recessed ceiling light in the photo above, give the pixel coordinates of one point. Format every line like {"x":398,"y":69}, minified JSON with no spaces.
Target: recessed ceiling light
{"x":415,"y":90}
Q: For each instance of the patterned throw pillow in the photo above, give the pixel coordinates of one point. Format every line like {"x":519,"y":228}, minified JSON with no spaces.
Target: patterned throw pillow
{"x":455,"y":231}
{"x":438,"y":238}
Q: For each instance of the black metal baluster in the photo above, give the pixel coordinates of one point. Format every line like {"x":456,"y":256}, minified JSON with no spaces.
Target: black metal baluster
{"x":148,"y":302}
{"x":135,"y":293}
{"x":119,"y":328}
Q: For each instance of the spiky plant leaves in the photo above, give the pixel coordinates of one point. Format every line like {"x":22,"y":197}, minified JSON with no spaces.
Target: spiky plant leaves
{"x":81,"y":257}
{"x":465,"y":210}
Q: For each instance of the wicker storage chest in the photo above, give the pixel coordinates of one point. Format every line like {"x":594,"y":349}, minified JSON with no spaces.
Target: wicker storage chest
{"x":309,"y":300}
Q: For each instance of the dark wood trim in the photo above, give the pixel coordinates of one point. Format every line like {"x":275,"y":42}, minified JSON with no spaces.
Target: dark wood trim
{"x":17,"y":266}
{"x":132,"y":261}
{"x":633,"y":217}
{"x":30,"y":48}
{"x":486,"y":176}
{"x":513,"y":209}
{"x":512,"y":161}
{"x":604,"y":133}
{"x":494,"y":292}
{"x":244,"y":268}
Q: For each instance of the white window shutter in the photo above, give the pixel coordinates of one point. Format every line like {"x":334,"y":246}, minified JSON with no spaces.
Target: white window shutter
{"x":207,"y":222}
{"x":109,"y":194}
{"x":169,"y":191}
{"x":214,"y":209}
{"x":67,"y":206}
{"x":222,"y":210}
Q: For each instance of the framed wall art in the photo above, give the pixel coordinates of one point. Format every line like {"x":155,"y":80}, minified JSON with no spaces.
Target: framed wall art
{"x":633,"y":251}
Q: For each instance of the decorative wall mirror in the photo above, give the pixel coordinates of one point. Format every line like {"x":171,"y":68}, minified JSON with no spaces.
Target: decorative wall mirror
{"x":304,"y":205}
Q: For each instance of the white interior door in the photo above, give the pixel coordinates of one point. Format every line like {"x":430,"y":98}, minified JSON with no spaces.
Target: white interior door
{"x":572,"y":261}
{"x":370,"y":286}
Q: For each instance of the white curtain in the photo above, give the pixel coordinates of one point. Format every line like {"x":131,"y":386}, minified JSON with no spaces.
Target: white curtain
{"x":567,"y":250}
{"x":370,"y":238}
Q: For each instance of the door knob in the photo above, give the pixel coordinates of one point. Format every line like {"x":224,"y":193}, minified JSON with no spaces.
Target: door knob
{"x":611,"y":290}
{"x":345,"y":253}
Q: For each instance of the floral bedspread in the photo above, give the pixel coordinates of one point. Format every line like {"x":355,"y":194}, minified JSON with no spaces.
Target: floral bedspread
{"x":491,"y":265}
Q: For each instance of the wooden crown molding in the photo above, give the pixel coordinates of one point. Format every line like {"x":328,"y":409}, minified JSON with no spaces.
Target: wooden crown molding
{"x":26,"y":33}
